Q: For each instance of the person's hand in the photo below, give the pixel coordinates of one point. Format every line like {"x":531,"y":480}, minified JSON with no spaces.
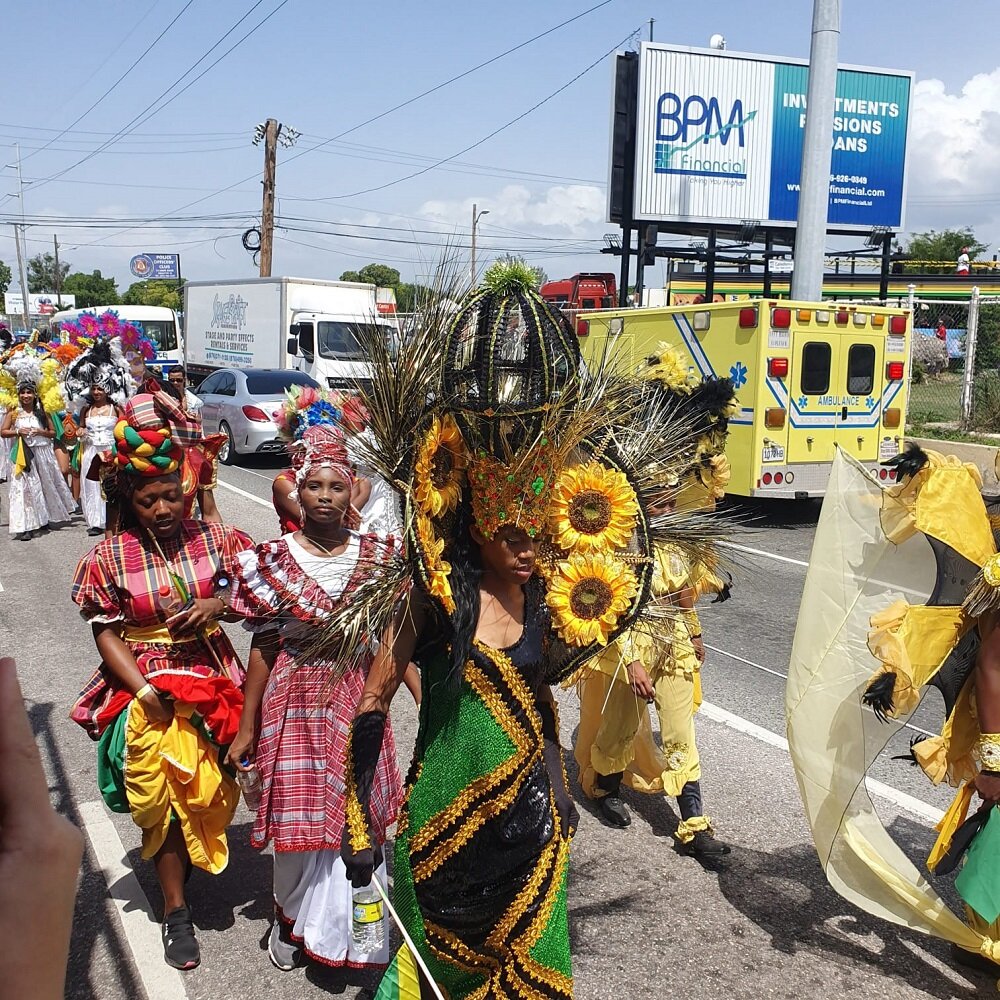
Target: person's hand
{"x":156,"y":707}
{"x":360,"y":865}
{"x":213,"y":518}
{"x":200,"y":612}
{"x":40,"y":853}
{"x":242,"y":747}
{"x":699,"y":648}
{"x":640,"y":681}
{"x":988,"y":787}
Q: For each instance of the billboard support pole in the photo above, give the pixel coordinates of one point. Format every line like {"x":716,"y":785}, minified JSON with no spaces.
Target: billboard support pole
{"x":768,"y":247}
{"x":817,"y":153}
{"x":883,"y":285}
{"x":710,"y":266}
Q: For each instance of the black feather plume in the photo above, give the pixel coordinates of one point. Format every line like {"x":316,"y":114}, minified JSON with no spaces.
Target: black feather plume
{"x":909,"y":462}
{"x":878,"y":696}
{"x":911,"y":757}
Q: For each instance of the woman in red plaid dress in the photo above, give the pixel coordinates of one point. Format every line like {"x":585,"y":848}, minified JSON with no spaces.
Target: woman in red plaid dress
{"x":298,"y":710}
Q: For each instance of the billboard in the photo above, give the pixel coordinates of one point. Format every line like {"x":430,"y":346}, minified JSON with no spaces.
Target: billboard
{"x":156,"y":265}
{"x":39,"y":303}
{"x":719,"y":140}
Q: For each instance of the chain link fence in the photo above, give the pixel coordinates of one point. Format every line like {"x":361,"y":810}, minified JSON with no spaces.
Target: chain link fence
{"x":937,"y":371}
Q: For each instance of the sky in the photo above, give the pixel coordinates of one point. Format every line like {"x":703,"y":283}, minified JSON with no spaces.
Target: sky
{"x":378,"y":191}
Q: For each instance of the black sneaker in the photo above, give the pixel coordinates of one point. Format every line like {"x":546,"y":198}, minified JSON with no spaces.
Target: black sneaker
{"x":94,"y":532}
{"x":704,"y":845}
{"x":615,"y":812}
{"x":180,"y":949}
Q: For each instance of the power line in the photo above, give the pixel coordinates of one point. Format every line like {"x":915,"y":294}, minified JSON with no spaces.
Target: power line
{"x":486,"y":138}
{"x":151,"y":108}
{"x":403,"y":104}
{"x":145,"y":52}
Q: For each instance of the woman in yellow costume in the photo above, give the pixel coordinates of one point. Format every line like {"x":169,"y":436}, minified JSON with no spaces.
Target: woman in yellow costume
{"x":913,"y":572}
{"x":166,"y":699}
{"x":615,"y":741}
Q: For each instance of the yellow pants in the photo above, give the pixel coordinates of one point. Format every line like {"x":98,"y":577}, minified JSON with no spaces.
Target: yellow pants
{"x":616,"y":734}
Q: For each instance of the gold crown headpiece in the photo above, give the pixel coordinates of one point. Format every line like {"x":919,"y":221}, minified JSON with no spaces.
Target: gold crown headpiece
{"x":517,"y":493}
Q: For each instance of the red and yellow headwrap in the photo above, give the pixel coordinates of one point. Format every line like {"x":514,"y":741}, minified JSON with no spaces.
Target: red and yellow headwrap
{"x":144,"y":445}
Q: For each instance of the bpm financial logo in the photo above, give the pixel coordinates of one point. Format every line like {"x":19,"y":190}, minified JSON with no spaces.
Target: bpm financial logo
{"x":693,"y":137}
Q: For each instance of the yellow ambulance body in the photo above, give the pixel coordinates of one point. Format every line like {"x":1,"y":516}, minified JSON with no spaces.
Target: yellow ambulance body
{"x":810,"y":377}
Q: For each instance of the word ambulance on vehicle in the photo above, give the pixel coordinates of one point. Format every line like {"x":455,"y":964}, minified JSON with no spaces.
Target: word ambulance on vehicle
{"x":809,"y":378}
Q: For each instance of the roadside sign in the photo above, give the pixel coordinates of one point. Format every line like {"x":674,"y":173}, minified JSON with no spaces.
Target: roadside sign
{"x":156,"y":265}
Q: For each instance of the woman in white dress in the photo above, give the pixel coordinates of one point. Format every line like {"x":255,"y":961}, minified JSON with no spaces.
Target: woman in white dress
{"x":97,"y":431}
{"x":38,"y":493}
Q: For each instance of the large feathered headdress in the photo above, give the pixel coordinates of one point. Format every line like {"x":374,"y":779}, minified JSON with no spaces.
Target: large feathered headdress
{"x":30,"y":367}
{"x":486,"y":415}
{"x":102,"y":365}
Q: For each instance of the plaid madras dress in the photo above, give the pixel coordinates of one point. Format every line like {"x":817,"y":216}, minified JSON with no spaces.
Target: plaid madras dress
{"x":124,"y":579}
{"x":305,"y":719}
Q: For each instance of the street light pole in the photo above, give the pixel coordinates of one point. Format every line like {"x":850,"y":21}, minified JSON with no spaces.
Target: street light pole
{"x":23,"y":274}
{"x":817,"y":153}
{"x":476,"y":216}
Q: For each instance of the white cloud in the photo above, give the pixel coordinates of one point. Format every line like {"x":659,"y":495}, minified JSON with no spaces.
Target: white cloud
{"x":955,"y":156}
{"x":563,"y":209}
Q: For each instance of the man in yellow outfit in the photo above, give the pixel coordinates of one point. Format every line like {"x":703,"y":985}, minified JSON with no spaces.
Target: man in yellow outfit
{"x":615,"y":740}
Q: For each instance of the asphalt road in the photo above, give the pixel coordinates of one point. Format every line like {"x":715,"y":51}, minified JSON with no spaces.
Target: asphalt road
{"x":645,"y":921}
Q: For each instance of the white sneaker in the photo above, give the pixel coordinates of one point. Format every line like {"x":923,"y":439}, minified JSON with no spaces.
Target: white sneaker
{"x":284,"y":955}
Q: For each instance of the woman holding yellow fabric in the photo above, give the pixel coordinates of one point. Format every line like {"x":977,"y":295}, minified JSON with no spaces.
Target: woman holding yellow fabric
{"x":166,"y":698}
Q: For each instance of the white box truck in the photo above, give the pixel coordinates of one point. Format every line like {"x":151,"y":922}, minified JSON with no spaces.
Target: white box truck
{"x":308,"y":324}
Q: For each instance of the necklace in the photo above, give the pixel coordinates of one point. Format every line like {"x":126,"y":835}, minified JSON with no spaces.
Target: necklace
{"x":318,"y":543}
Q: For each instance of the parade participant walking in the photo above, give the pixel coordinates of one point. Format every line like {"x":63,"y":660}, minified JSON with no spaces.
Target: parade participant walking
{"x":512,"y":595}
{"x":301,"y":705}
{"x":166,"y":699}
{"x":99,"y":378}
{"x":614,"y":740}
{"x":38,"y":494}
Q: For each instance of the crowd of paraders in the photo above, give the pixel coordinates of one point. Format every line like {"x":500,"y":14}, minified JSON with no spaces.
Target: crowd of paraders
{"x":488,"y":523}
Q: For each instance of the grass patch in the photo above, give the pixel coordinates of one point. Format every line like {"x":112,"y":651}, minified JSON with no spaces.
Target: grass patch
{"x":947,"y":434}
{"x":937,"y":399}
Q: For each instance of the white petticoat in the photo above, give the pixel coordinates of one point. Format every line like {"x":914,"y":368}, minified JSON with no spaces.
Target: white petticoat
{"x":314,"y":896}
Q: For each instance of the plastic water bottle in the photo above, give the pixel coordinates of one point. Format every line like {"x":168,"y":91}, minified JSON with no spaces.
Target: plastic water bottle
{"x":251,"y":785}
{"x":367,"y":925}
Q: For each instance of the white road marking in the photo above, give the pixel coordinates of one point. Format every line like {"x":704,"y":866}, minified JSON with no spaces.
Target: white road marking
{"x":761,"y":552}
{"x":138,"y":921}
{"x":908,"y":802}
{"x":248,"y":496}
{"x":778,"y":673}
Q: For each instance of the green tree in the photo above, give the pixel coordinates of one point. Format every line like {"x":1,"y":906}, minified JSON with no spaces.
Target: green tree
{"x":5,"y":277}
{"x":350,"y":276}
{"x":91,"y":289}
{"x":943,"y":246}
{"x":42,"y":273}
{"x":166,"y":293}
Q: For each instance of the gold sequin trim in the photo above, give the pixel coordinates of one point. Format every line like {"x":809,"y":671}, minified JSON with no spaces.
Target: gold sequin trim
{"x":526,"y":753}
{"x":988,"y":751}
{"x":357,"y":826}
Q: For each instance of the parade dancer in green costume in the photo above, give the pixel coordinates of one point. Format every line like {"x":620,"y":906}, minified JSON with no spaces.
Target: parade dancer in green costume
{"x":522,"y":574}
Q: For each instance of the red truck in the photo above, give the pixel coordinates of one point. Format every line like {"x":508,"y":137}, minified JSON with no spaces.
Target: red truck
{"x":582,"y":291}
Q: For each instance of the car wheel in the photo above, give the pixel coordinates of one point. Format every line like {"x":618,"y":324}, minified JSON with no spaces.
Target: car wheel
{"x":227,"y":453}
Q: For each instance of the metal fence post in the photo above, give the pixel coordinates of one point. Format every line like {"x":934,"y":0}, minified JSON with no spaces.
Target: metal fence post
{"x":911,"y":304}
{"x":969,"y":375}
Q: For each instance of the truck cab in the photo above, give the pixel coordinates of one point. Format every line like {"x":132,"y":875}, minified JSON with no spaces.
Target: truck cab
{"x":329,"y":346}
{"x":592,"y":290}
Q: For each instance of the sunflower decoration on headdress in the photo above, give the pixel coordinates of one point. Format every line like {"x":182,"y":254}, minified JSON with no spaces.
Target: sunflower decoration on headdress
{"x":440,"y":466}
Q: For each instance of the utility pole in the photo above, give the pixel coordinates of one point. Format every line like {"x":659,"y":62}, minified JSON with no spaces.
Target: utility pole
{"x":476,"y":216}
{"x":652,"y":21}
{"x":55,"y":244}
{"x":271,"y":132}
{"x":23,"y":274}
{"x":817,"y":153}
{"x":267,"y":212}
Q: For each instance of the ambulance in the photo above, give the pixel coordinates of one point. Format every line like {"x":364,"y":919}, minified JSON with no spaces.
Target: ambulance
{"x":810,"y":377}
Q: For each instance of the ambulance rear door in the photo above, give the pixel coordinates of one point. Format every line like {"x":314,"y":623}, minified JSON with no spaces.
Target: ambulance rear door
{"x":813,"y":395}
{"x":861,"y":381}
